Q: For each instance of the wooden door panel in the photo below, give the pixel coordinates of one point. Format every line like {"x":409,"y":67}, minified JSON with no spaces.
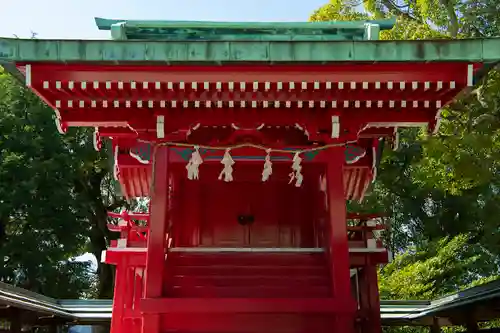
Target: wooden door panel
{"x":266,"y":206}
{"x":219,"y":223}
{"x":281,"y":215}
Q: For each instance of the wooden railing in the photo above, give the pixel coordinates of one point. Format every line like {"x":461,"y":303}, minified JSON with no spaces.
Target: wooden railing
{"x":131,"y":234}
{"x":365,"y":230}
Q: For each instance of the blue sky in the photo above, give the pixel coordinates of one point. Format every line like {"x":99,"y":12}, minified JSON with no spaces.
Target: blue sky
{"x":74,"y":18}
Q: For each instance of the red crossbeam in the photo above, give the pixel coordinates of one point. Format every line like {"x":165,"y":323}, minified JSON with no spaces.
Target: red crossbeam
{"x":245,"y":305}
{"x":359,"y":72}
{"x":134,"y":258}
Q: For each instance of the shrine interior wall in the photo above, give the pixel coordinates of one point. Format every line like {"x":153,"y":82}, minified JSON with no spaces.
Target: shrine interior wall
{"x":247,"y":212}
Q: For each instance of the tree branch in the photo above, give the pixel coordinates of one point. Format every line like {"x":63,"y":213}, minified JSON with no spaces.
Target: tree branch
{"x":391,"y":6}
{"x":117,"y":203}
{"x":452,"y":15}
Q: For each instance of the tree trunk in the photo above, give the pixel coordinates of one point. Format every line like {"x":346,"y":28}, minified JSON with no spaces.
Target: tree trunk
{"x":104,"y":271}
{"x":100,"y":234}
{"x":452,"y":15}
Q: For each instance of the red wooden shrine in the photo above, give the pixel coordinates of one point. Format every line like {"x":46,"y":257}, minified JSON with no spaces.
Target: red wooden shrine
{"x":267,"y":248}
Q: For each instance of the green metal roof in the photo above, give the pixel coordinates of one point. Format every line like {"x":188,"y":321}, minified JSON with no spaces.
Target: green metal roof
{"x":155,"y":52}
{"x":249,"y":31}
{"x":462,"y":299}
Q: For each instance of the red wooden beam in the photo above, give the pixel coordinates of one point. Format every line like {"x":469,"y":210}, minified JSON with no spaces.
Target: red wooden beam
{"x":132,"y":244}
{"x":133,"y":258}
{"x":119,"y":295}
{"x":213,"y":96}
{"x":246,"y":305}
{"x":365,"y":259}
{"x":359,"y":72}
{"x":176,"y":119}
{"x":138,"y":258}
{"x":154,"y":279}
{"x":157,"y":227}
{"x":248,"y":323}
{"x":125,"y":161}
{"x":137,"y":183}
{"x":369,"y":300}
{"x":337,"y":241}
{"x":350,"y":119}
{"x":120,"y":228}
{"x":128,"y":216}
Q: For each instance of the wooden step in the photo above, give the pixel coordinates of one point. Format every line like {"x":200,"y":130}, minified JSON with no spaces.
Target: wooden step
{"x":246,"y":305}
{"x":247,"y":292}
{"x":210,"y":259}
{"x":229,"y":270}
{"x":255,"y":280}
{"x":247,"y":274}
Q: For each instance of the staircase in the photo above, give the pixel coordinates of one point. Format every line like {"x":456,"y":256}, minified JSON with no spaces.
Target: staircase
{"x":269,"y":274}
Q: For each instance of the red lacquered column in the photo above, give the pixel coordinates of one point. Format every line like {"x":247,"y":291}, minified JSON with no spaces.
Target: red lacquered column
{"x":155,"y":261}
{"x":338,"y":242}
{"x":119,"y":297}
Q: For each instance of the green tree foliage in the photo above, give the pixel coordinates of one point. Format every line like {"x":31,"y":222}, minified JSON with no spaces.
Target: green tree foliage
{"x":55,"y":191}
{"x":44,"y":225}
{"x":445,"y":266}
{"x":440,"y":192}
{"x":453,"y":18}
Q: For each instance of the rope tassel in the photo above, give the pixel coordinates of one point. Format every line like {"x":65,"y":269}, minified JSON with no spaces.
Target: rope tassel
{"x":268,"y":167}
{"x":116,"y":168}
{"x":194,"y":163}
{"x":296,"y":170}
{"x":228,"y":163}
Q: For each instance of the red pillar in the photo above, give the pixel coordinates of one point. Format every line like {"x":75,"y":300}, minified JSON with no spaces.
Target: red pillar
{"x":370,"y":299}
{"x":155,"y":261}
{"x":119,"y":295}
{"x":337,"y":240}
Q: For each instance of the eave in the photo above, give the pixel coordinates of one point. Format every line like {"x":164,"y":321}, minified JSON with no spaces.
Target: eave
{"x":219,"y":52}
{"x":256,"y":31}
{"x":107,"y":24}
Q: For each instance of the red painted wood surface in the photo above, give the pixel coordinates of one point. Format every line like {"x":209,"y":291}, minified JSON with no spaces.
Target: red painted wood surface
{"x":74,"y":88}
{"x":153,"y":284}
{"x":360,"y":72}
{"x":318,"y":122}
{"x":159,"y":288}
{"x":279,"y":210}
{"x":337,"y":234}
{"x":248,"y":275}
{"x":119,"y":294}
{"x":135,"y":178}
{"x":247,"y":314}
{"x":204,"y":213}
{"x":369,"y":300}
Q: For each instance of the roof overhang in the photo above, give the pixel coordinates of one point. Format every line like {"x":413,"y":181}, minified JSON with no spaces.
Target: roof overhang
{"x":276,"y":31}
{"x":266,"y":52}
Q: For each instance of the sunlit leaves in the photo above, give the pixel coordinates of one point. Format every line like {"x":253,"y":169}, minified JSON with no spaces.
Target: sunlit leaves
{"x":446,"y":266}
{"x":442,"y":185}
